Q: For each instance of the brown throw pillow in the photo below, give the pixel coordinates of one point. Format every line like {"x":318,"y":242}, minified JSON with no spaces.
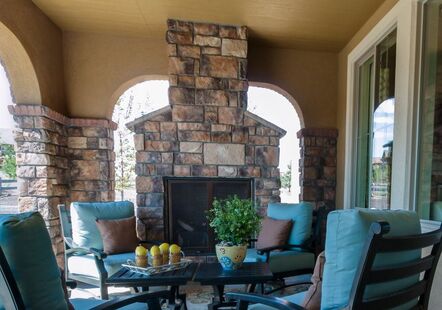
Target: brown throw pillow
{"x":119,"y":236}
{"x":273,"y":233}
{"x":312,"y":299}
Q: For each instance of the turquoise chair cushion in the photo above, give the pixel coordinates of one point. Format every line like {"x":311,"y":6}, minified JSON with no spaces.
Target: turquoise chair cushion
{"x":83,"y":215}
{"x":300,"y":213}
{"x":28,"y":250}
{"x":83,"y":303}
{"x":347,"y":232}
{"x":284,"y":261}
{"x":85,"y":264}
{"x":297,"y":299}
{"x":436,"y":211}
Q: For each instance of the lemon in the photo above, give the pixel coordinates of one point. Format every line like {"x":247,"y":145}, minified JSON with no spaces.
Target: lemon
{"x":174,"y":249}
{"x":155,"y":250}
{"x":164,"y":248}
{"x":140,"y":251}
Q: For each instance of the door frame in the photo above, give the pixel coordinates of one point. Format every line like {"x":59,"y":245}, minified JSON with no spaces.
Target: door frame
{"x":404,"y":18}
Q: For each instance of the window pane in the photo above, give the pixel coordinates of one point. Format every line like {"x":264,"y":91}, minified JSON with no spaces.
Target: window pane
{"x":429,"y":182}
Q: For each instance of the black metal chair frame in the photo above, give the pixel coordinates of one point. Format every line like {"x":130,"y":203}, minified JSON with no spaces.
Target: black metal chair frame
{"x":70,"y":248}
{"x":368,"y":275}
{"x":314,"y":244}
{"x":12,"y":299}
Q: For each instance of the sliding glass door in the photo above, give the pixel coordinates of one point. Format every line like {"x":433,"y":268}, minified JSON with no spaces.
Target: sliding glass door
{"x":375,"y":123}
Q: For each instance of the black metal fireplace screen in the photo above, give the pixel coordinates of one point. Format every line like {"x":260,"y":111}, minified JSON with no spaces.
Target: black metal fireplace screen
{"x":187,"y":201}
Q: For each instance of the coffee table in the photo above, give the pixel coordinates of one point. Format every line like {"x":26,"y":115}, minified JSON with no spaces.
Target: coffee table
{"x":126,"y":278}
{"x":213,"y":274}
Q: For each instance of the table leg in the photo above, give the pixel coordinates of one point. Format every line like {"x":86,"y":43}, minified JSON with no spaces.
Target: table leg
{"x":218,"y":300}
{"x":251,"y":288}
{"x":174,"y":295}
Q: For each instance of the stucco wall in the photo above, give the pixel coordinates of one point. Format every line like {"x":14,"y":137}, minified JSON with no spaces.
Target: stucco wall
{"x":97,"y":65}
{"x":42,"y":41}
{"x":310,"y":77}
{"x":342,"y":92}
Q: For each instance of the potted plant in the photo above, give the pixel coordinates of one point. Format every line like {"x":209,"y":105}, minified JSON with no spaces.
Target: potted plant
{"x":234,"y":222}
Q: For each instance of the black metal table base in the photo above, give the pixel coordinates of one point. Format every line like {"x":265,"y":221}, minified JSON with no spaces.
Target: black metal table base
{"x":219,"y":301}
{"x":176,"y":300}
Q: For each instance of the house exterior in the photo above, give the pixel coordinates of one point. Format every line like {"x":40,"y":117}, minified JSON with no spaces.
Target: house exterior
{"x":67,"y":71}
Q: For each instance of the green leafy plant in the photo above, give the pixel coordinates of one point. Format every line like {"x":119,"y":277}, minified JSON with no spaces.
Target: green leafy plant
{"x":286,"y":178}
{"x":7,"y":160}
{"x":234,"y":220}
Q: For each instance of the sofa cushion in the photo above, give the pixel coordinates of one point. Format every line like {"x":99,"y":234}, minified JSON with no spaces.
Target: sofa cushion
{"x":273,"y":233}
{"x":284,"y":261}
{"x":300,"y":213}
{"x":83,"y":215}
{"x":85,"y":264}
{"x":25,"y":242}
{"x":119,"y":236}
{"x":436,"y":211}
{"x":347,"y":232}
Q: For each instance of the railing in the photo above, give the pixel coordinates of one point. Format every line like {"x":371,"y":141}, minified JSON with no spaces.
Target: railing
{"x":3,"y":188}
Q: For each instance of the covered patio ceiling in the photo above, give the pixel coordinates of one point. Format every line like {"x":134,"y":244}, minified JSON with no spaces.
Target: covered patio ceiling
{"x":323,"y":25}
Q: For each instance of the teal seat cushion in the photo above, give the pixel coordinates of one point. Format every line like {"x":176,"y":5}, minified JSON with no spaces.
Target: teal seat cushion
{"x":347,"y":232}
{"x":25,"y":241}
{"x":84,"y":304}
{"x":436,"y":211}
{"x":300,"y":213}
{"x":297,"y":299}
{"x":83,"y":215}
{"x":85,"y":264}
{"x":284,"y":261}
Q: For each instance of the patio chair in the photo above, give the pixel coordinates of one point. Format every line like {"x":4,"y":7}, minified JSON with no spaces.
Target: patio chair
{"x":30,"y":277}
{"x":297,"y":257}
{"x":382,"y":272}
{"x":90,"y":264}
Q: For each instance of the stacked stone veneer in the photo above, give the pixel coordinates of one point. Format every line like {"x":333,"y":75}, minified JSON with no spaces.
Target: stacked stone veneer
{"x":61,"y":160}
{"x":317,"y":166}
{"x":206,"y":131}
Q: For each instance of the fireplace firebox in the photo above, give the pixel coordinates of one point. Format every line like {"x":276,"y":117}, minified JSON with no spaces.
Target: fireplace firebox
{"x":187,"y":201}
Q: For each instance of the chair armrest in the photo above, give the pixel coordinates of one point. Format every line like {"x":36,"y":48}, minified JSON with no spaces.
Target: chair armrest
{"x":71,"y":284}
{"x":244,"y":299}
{"x":97,"y":253}
{"x":284,"y":247}
{"x":149,"y":242}
{"x":144,"y":297}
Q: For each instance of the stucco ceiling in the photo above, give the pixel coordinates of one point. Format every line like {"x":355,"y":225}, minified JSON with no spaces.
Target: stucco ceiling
{"x":305,"y":24}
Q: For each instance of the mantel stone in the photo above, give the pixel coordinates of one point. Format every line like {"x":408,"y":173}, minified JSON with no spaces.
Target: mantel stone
{"x":224,"y":154}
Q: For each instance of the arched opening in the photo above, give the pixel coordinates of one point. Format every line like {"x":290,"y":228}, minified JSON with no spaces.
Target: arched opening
{"x":278,"y":107}
{"x":20,"y":70}
{"x":8,"y":172}
{"x":137,"y":100}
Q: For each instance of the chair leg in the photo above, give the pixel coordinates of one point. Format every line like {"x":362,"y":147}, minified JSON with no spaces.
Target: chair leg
{"x":103,"y":292}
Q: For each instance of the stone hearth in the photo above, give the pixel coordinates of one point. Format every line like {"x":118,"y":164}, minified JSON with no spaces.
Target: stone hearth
{"x":206,"y":131}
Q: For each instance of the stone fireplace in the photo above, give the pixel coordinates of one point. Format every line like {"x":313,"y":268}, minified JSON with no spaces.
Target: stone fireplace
{"x":206,"y":133}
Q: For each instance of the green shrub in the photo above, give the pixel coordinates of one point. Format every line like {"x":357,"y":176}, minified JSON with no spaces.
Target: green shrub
{"x":234,"y":220}
{"x":7,"y":160}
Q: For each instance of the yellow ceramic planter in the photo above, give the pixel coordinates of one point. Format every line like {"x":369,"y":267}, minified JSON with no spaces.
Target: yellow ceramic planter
{"x":231,"y":257}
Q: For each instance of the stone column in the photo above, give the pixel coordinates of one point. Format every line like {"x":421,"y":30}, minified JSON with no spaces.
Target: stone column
{"x":91,"y":154}
{"x":61,"y":160}
{"x":318,"y":166}
{"x":42,"y":166}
